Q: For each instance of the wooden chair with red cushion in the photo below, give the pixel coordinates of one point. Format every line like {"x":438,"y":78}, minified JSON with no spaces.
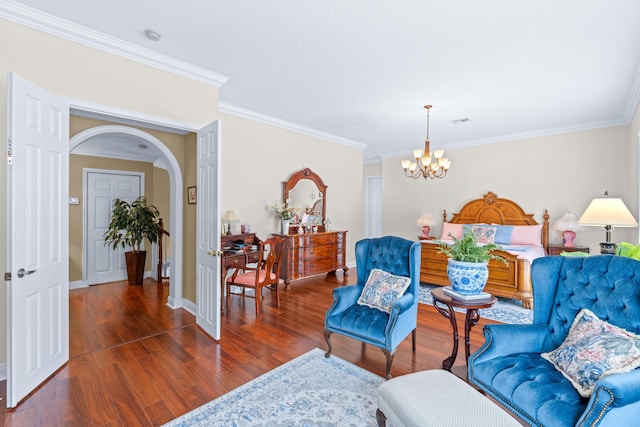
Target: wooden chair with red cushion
{"x":266,"y":274}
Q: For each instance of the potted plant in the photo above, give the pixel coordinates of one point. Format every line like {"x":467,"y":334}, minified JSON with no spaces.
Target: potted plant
{"x":467,"y":267}
{"x":130,"y":225}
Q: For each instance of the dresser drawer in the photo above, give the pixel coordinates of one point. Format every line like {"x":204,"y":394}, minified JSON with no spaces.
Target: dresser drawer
{"x":318,"y":251}
{"x":318,"y":239}
{"x":239,"y":259}
{"x":318,"y":266}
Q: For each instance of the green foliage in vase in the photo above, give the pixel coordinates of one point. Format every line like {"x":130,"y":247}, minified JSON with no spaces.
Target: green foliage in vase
{"x":132,"y":223}
{"x":467,"y":249}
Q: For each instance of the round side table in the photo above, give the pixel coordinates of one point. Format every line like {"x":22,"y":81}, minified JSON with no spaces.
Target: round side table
{"x":445,"y":304}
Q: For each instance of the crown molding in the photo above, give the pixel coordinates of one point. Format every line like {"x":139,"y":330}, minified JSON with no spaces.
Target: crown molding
{"x":33,"y":18}
{"x":523,"y":135}
{"x":269,"y":120}
{"x":634,"y":97}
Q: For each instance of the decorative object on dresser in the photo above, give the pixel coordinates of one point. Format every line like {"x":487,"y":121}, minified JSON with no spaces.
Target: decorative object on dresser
{"x":423,"y":167}
{"x":607,"y":213}
{"x":425,"y":222}
{"x":266,"y":274}
{"x":568,"y":225}
{"x":521,"y":237}
{"x":316,"y":251}
{"x":229,"y":217}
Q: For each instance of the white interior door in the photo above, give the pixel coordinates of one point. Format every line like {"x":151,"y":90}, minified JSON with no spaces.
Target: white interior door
{"x":103,"y":263}
{"x":208,"y":231}
{"x":374,"y":206}
{"x":38,"y":293}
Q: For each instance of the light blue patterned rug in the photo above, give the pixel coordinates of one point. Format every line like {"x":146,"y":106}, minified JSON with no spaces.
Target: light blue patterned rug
{"x":505,"y":310}
{"x":310,"y":390}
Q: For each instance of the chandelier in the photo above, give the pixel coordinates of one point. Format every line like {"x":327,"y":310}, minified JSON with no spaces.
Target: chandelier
{"x":423,"y":166}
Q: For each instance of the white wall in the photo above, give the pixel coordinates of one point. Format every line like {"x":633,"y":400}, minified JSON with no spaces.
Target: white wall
{"x":560,"y":173}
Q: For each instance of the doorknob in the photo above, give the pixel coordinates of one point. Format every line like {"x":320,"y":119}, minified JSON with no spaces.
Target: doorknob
{"x":215,"y":253}
{"x":22,"y":272}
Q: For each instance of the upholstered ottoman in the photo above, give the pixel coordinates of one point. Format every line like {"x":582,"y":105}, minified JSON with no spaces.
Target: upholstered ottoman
{"x":437,"y":398}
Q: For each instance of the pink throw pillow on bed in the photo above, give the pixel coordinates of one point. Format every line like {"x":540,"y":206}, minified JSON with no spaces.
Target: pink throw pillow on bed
{"x":526,"y":235}
{"x":454,"y":229}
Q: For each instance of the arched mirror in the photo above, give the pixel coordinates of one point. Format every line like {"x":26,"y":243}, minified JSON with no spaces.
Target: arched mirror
{"x":306,"y":190}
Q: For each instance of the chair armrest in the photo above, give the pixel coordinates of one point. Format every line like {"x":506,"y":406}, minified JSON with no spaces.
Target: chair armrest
{"x":502,"y":340}
{"x":612,"y":392}
{"x":402,"y":304}
{"x":343,"y":298}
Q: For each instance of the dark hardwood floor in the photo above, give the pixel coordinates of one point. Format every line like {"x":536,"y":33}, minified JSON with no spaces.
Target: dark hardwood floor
{"x":136,"y":362}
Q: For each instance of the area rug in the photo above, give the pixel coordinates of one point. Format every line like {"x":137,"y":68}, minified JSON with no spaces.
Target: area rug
{"x":310,"y":390}
{"x":505,"y":310}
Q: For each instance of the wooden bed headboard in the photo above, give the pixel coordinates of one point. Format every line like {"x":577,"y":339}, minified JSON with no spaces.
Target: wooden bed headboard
{"x":493,"y":210}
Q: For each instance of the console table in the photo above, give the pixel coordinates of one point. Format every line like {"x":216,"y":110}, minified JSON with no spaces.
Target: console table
{"x":313,"y":253}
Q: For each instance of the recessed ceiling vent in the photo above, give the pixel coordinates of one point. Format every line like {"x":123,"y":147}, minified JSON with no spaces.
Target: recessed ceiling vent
{"x":152,"y":35}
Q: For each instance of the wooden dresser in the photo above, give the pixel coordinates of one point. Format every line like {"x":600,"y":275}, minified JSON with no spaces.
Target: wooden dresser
{"x":313,"y":253}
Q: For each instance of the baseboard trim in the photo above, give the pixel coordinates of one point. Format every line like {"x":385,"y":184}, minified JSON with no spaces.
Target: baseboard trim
{"x":3,"y":372}
{"x":78,"y":284}
{"x":189,"y":306}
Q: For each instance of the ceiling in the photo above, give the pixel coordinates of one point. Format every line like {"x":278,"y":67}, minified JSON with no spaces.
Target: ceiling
{"x":362,"y":70}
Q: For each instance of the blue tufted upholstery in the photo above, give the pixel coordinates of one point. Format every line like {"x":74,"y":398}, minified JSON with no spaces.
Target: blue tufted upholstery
{"x":509,"y":366}
{"x":397,"y":256}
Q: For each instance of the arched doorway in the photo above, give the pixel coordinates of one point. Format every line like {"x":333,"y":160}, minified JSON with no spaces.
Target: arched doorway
{"x":176,"y":195}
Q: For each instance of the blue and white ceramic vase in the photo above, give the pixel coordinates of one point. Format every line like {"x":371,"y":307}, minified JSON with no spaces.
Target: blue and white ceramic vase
{"x":467,"y":278}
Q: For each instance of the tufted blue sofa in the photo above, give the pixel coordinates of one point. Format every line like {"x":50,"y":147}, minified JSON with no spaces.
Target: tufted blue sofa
{"x":394,"y":255}
{"x":509,"y":366}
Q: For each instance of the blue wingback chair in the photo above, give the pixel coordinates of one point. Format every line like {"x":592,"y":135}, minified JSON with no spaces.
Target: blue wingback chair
{"x":509,"y":366}
{"x":394,"y":255}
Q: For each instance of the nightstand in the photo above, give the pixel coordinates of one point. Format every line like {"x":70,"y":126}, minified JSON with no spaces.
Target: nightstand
{"x":558,"y":249}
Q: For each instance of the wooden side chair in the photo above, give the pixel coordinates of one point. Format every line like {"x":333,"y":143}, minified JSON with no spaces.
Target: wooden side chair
{"x":266,"y":274}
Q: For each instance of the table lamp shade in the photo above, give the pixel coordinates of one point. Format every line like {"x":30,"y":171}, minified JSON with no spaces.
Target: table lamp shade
{"x":607,"y":211}
{"x":426,"y":221}
{"x":568,"y":224}
{"x":230,"y":216}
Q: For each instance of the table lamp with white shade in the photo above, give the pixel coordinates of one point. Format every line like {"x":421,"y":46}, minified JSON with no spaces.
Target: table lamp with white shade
{"x":608,"y":213}
{"x":568,"y":225}
{"x":425,"y":221}
{"x":229,"y":217}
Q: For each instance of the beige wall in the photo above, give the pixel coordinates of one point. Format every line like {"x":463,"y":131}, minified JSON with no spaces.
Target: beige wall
{"x":560,"y":173}
{"x":79,"y":72}
{"x":76,"y":166}
{"x":256,"y":160}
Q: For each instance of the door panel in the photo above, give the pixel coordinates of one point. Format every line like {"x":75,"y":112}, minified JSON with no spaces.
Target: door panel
{"x":103,"y":263}
{"x":38,"y":177}
{"x":208,"y":232}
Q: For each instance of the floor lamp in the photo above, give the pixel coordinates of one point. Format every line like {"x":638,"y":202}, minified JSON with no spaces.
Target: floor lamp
{"x":608,"y":213}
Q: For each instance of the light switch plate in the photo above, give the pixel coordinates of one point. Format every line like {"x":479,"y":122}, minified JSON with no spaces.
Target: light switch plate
{"x":74,"y":200}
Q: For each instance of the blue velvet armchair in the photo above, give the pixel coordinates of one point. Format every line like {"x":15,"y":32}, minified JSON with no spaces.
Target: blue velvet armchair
{"x":394,"y":255}
{"x":509,"y":365}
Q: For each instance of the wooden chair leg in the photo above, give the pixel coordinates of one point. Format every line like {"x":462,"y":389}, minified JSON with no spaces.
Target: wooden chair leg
{"x":327,"y":338}
{"x":258,"y":296}
{"x":275,"y":288}
{"x":228,"y":296}
{"x":413,"y":339}
{"x":389,"y":357}
{"x":381,"y":418}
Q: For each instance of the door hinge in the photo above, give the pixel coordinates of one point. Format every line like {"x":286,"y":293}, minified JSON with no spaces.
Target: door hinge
{"x":9,"y":152}
{"x":7,"y":277}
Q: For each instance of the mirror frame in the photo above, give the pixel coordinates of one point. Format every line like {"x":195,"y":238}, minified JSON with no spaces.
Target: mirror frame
{"x":307,"y":173}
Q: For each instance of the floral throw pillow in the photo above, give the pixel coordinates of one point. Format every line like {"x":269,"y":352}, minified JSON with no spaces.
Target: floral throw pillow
{"x":484,"y":234}
{"x":382,"y":289}
{"x":594,"y":349}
